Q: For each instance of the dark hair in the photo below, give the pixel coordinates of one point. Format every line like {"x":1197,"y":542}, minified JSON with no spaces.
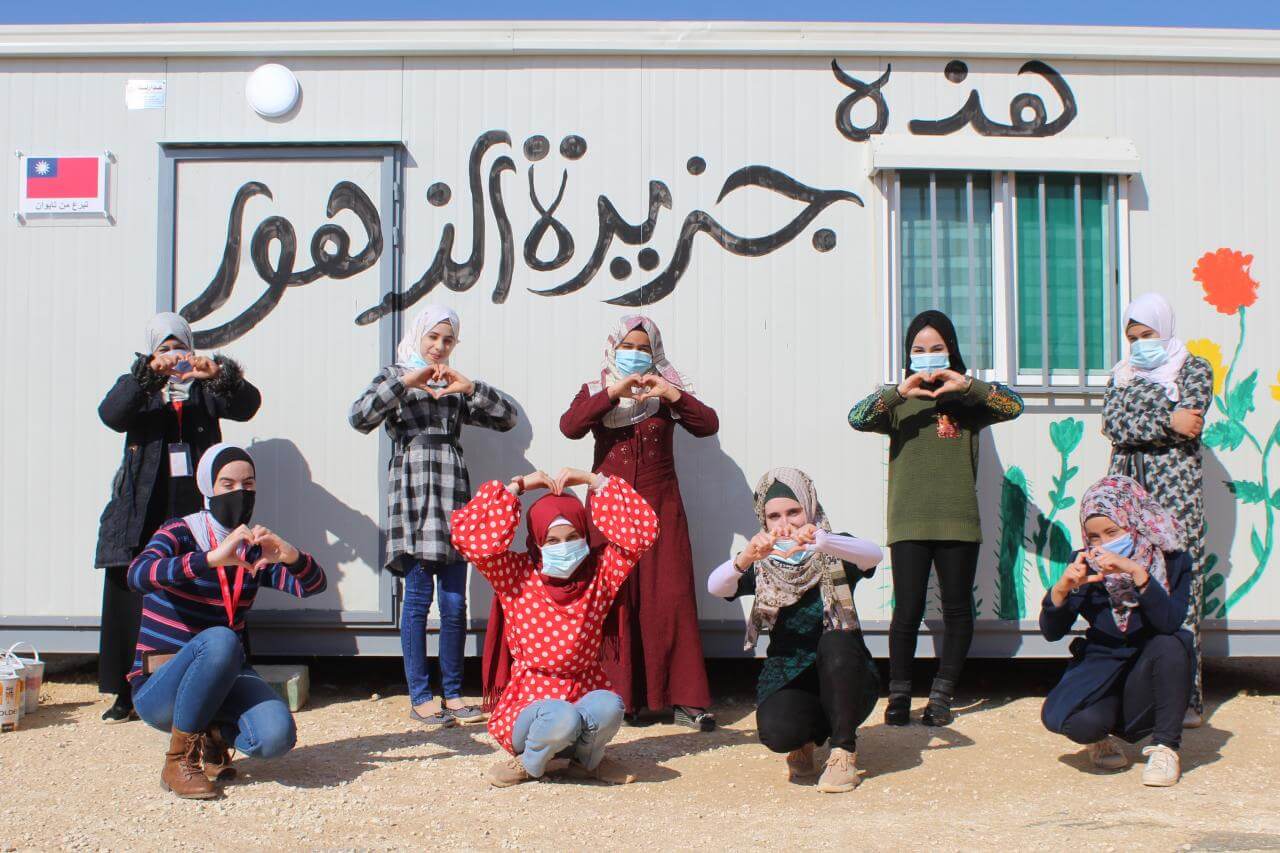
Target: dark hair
{"x":942,"y":324}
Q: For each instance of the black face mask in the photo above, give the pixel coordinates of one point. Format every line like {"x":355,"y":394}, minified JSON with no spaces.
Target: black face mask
{"x":232,"y":509}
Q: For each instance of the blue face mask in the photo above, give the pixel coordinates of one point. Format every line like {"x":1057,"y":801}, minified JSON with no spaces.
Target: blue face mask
{"x":930,"y":362}
{"x":782,"y":546}
{"x":561,"y":559}
{"x":629,"y":361}
{"x":1122,"y":546}
{"x":417,"y":362}
{"x":1148,"y":353}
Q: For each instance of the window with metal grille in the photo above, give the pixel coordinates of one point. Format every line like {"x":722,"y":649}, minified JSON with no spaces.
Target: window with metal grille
{"x":1027,"y":265}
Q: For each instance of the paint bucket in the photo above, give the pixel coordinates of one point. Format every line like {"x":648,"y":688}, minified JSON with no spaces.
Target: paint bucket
{"x":33,"y":677}
{"x":11,"y":684}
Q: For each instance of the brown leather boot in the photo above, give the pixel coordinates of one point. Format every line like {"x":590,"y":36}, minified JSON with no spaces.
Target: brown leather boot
{"x":215,"y":754}
{"x":182,"y":772}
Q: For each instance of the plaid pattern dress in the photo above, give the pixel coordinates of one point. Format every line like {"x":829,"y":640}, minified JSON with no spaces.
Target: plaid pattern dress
{"x":427,"y":479}
{"x":1136,"y":420}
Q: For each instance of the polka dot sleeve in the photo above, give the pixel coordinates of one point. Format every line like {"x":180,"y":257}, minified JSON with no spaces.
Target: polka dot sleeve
{"x":482,"y":532}
{"x":628,"y":523}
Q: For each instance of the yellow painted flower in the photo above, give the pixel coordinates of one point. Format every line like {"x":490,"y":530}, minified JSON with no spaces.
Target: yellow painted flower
{"x":1275,"y":389}
{"x":1212,"y":353}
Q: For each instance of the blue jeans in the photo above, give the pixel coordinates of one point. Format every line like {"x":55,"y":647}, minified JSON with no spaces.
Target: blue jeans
{"x":419,"y":589}
{"x":551,"y":728}
{"x":208,"y":682}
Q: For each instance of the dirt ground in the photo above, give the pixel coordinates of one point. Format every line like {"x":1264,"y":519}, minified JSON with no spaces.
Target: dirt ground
{"x":364,"y":777}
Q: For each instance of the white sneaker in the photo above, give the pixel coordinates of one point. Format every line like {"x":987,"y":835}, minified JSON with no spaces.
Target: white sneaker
{"x":1163,"y":766}
{"x":1107,"y":754}
{"x":1192,"y":719}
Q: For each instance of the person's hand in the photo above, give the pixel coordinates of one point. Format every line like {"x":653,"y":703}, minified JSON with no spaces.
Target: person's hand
{"x":569,"y":477}
{"x":656,"y":387}
{"x":760,"y":547}
{"x":913,"y":388}
{"x":1187,"y":422}
{"x":806,"y":534}
{"x":1076,"y":575}
{"x":952,"y":383}
{"x":202,"y":367}
{"x":166,"y":363}
{"x":419,"y":377}
{"x":455,"y":382}
{"x":228,"y":551}
{"x":537,"y":480}
{"x":274,"y":549}
{"x":1113,"y":564}
{"x":626,"y":387}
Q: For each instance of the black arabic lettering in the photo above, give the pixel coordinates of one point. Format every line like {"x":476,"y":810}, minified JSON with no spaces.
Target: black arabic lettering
{"x":971,"y":112}
{"x":547,"y":221}
{"x":844,"y":112}
{"x":330,"y":247}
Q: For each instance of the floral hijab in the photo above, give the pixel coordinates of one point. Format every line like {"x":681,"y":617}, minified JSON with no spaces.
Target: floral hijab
{"x":780,"y":584}
{"x":1154,"y":530}
{"x":628,"y":412}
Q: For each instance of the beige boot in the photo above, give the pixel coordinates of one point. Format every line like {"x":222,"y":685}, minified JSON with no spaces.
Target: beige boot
{"x":507,"y":772}
{"x":1163,"y":769}
{"x":841,"y":774}
{"x":182,"y":773}
{"x":608,"y":771}
{"x":800,"y":763}
{"x":1107,"y":754}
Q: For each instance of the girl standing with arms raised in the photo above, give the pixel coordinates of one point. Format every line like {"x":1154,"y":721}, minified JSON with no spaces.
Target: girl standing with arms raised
{"x":933,"y":420}
{"x":652,"y":647}
{"x":424,"y":403}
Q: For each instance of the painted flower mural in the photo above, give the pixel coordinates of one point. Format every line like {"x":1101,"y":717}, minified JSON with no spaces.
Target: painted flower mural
{"x":1230,"y":288}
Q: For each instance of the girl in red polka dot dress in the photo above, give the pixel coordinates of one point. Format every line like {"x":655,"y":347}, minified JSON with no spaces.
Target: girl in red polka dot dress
{"x":542,"y":649}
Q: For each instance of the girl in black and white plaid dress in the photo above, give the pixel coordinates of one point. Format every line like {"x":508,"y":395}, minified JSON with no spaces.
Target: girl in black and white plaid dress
{"x":423,"y":403}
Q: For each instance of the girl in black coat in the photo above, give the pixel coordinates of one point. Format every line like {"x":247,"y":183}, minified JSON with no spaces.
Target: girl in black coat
{"x":168,"y":406}
{"x":1130,"y":674}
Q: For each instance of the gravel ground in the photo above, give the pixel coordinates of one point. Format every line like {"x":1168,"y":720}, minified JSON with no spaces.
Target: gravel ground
{"x":364,"y":777}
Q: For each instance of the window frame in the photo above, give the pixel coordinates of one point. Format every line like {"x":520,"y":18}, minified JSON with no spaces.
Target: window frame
{"x":1004,"y":279}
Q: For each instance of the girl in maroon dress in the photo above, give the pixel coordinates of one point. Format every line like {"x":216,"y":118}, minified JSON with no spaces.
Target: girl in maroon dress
{"x":652,"y":648}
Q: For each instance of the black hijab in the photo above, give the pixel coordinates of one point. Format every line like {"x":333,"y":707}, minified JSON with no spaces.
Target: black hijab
{"x":940,"y":323}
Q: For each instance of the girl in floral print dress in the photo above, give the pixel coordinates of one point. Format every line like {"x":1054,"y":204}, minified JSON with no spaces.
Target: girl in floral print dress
{"x":542,"y":672}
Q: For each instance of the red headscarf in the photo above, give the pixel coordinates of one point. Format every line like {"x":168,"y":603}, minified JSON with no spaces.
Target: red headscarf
{"x":496,"y":665}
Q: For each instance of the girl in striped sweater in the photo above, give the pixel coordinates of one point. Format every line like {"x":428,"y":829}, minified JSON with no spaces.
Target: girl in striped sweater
{"x":200,"y":574}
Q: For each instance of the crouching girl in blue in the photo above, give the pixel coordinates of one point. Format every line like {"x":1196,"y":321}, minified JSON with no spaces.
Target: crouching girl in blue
{"x":1130,"y":674}
{"x":200,"y":575}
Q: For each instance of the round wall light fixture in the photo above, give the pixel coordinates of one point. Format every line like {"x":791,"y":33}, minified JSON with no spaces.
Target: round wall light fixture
{"x":272,"y":90}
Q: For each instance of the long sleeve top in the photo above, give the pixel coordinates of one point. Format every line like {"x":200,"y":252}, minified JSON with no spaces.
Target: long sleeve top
{"x":555,"y":648}
{"x":182,"y":593}
{"x":427,"y":476}
{"x":933,"y":457}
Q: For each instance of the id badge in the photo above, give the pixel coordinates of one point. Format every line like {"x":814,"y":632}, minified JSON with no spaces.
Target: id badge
{"x":179,"y":460}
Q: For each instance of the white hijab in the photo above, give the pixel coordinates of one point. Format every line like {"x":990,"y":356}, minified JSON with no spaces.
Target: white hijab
{"x":160,"y":328}
{"x":203,"y":521}
{"x":1152,"y":309}
{"x":428,"y":318}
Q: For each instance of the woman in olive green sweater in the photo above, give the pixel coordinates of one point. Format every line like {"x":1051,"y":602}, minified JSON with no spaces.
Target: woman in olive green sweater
{"x":933,"y":420}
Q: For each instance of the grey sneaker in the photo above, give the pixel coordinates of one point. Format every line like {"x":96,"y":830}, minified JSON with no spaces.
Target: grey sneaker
{"x":438,"y":720}
{"x":1107,"y":754}
{"x":467,"y":714}
{"x":1163,"y":769}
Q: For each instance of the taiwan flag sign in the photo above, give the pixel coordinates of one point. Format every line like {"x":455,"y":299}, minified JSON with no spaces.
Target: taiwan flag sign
{"x":62,"y":184}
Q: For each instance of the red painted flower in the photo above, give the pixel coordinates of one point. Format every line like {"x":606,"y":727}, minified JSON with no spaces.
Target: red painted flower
{"x":1224,"y":274}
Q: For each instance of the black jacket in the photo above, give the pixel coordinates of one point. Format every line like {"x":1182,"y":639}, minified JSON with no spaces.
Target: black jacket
{"x":135,"y":407}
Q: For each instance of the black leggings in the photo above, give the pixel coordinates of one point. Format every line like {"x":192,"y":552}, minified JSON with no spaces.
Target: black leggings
{"x":957,"y":564}
{"x":1150,"y":700}
{"x":828,"y":700}
{"x":118,"y":634}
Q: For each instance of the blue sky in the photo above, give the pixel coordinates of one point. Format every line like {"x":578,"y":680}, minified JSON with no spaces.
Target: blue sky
{"x":1173,"y":13}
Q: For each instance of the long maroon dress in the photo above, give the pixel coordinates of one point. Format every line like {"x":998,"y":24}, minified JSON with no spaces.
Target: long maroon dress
{"x":652,"y":647}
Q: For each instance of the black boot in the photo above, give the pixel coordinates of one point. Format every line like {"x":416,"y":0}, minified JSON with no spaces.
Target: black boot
{"x":898,"y":711}
{"x":121,"y":711}
{"x":938,"y":711}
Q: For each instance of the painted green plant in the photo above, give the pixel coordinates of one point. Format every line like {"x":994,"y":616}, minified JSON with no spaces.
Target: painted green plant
{"x":1052,"y":540}
{"x":1230,"y":288}
{"x":1011,"y":554}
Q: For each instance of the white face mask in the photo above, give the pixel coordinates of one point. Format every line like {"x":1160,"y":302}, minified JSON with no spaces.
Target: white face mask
{"x":561,"y":559}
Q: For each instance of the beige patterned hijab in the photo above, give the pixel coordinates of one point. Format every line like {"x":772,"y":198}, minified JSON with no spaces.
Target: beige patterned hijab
{"x":628,"y":412}
{"x":780,"y":584}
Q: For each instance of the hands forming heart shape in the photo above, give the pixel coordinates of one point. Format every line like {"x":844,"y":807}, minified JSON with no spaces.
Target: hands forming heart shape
{"x":949,"y":382}
{"x":455,"y":382}
{"x":764,"y":543}
{"x":642,"y":387}
{"x":185,"y":365}
{"x":565,"y":479}
{"x":253,"y":549}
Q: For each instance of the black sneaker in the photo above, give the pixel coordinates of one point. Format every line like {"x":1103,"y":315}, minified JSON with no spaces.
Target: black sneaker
{"x":694,"y":718}
{"x":119,"y":712}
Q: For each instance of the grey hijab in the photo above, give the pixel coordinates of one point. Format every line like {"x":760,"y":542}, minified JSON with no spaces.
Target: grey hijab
{"x":161,"y":328}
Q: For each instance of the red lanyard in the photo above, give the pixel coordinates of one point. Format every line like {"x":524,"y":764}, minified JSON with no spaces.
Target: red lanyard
{"x":177,"y":410}
{"x":230,"y":600}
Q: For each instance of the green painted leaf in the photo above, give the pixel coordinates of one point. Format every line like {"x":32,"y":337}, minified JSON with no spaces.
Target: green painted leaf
{"x":1275,"y":499}
{"x":1207,"y":611}
{"x":1067,"y":504}
{"x":1226,"y":435}
{"x":1247,"y":491}
{"x":1072,"y":471}
{"x":1259,"y":552}
{"x":1212,"y":584}
{"x":1240,"y":398}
